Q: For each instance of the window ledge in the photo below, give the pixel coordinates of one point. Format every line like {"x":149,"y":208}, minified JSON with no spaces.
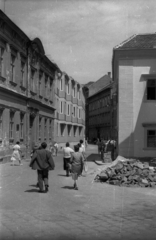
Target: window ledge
{"x":14,"y":84}
{"x":22,"y":87}
{"x":149,"y":149}
{"x":33,"y":93}
{"x":2,"y":79}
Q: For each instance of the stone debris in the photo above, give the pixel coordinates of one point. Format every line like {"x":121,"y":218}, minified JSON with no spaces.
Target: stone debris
{"x":128,"y":172}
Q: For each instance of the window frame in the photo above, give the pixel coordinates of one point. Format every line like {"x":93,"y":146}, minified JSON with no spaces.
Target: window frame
{"x":2,"y":61}
{"x":68,"y":88}
{"x":61,"y":84}
{"x":148,"y":87}
{"x":147,"y":127}
{"x":61,"y":107}
{"x":22,"y":115}
{"x":12,"y":65}
{"x":32,"y":78}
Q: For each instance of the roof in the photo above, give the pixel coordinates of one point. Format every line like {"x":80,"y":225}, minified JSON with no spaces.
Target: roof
{"x":109,"y":85}
{"x":99,"y":84}
{"x":139,"y":41}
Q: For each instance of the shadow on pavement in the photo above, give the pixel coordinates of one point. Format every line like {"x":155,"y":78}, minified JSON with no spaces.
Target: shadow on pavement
{"x":32,"y":190}
{"x":33,"y":185}
{"x":68,"y":187}
{"x":92,"y":157}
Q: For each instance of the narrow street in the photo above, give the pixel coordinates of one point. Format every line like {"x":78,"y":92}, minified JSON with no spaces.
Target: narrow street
{"x":95,"y":211}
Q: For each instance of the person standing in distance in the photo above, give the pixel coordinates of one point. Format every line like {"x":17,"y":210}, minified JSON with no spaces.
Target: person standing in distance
{"x":67,"y":151}
{"x":42,"y":161}
{"x":56,"y":148}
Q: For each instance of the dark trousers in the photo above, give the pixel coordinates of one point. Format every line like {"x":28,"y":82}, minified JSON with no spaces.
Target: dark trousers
{"x":42,"y":177}
{"x":67,"y":165}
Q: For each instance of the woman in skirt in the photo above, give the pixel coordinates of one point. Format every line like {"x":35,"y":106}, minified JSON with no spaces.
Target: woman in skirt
{"x":77,"y":162}
{"x":16,"y":155}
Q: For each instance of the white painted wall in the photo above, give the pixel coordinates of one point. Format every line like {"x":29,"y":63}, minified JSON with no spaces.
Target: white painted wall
{"x":133,"y":109}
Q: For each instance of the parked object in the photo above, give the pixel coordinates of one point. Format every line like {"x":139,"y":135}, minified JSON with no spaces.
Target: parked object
{"x":128,"y":172}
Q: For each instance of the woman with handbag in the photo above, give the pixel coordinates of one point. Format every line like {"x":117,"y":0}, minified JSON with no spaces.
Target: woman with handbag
{"x":77,"y":163}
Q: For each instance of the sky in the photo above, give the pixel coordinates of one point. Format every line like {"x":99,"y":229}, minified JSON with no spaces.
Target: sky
{"x":79,"y":35}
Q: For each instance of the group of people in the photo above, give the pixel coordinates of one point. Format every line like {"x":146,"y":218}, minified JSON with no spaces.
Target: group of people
{"x":42,"y":161}
{"x":73,"y":161}
{"x":106,"y":146}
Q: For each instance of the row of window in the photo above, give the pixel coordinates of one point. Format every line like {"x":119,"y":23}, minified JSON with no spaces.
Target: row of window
{"x":103,"y":102}
{"x":100,"y":119}
{"x":68,"y":109}
{"x":68,"y":89}
{"x":43,"y":89}
{"x":47,"y":125}
{"x":69,"y":130}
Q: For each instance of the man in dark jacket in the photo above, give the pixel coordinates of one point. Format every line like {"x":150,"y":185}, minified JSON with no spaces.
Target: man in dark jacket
{"x":42,"y":161}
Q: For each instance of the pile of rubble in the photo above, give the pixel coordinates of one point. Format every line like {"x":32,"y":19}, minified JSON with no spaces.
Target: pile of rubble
{"x":128,"y":172}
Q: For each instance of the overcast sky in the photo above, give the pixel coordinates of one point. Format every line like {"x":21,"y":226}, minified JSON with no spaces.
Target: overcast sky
{"x":79,"y":35}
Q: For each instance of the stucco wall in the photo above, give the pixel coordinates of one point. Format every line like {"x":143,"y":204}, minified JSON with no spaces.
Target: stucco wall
{"x":144,"y":111}
{"x":125,"y":110}
{"x":133,"y":109}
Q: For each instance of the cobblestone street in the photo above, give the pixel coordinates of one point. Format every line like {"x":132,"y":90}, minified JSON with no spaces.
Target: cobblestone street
{"x":95,"y":211}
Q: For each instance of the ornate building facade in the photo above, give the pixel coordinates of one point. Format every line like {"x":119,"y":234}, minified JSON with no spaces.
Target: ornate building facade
{"x":27,"y":79}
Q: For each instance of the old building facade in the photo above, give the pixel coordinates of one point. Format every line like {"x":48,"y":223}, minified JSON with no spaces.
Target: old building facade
{"x":134,"y":75}
{"x":70,"y":110}
{"x":27,"y":79}
{"x":98,"y":108}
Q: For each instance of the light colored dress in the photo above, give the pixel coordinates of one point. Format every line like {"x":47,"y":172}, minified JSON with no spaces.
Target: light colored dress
{"x":16,"y":153}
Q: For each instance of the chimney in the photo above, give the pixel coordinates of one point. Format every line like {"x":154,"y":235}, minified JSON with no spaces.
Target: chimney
{"x":109,"y":74}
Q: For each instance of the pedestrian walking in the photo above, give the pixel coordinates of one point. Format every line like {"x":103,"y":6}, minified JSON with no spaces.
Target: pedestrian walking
{"x":56,"y":148}
{"x":86,"y":143}
{"x":67,"y":151}
{"x":77,"y":163}
{"x":43,"y":162}
{"x":36,"y":147}
{"x":102,"y":149}
{"x":16,"y":155}
{"x":52,"y":149}
{"x":99,"y":145}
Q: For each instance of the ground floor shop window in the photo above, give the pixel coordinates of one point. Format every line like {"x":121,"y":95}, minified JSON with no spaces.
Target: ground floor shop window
{"x":1,"y":125}
{"x":39,"y":128}
{"x":69,"y":129}
{"x":80,"y":131}
{"x":62,"y":129}
{"x":45,"y":129}
{"x":11,"y":127}
{"x":50,"y":129}
{"x":21,"y":127}
{"x":75,"y":131}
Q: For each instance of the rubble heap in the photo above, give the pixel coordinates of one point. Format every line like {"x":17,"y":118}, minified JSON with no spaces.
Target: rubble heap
{"x":128,"y":173}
